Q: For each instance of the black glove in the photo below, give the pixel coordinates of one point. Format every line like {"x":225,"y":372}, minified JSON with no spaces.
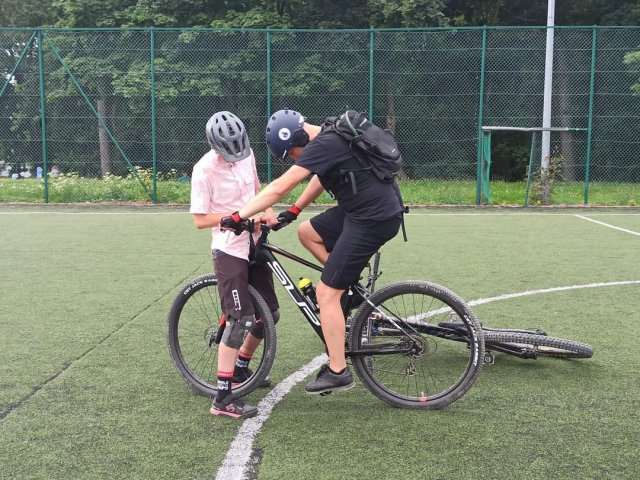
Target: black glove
{"x":232,"y":222}
{"x":288,"y":216}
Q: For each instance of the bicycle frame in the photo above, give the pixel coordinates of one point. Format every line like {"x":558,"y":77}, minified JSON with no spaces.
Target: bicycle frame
{"x":267,"y":251}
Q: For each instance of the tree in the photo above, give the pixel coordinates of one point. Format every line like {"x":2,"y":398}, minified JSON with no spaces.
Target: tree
{"x":27,"y":13}
{"x":406,"y":13}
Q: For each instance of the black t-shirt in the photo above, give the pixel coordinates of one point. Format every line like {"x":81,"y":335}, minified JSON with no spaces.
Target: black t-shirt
{"x":330,"y":157}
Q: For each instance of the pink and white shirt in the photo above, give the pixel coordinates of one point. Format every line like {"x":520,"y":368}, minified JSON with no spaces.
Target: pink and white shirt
{"x":218,"y":186}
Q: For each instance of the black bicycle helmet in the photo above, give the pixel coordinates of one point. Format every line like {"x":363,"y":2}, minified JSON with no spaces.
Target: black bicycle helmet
{"x":228,"y":137}
{"x":284,"y":131}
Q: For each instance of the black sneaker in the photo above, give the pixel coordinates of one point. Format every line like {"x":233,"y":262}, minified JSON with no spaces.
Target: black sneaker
{"x":241,"y":375}
{"x":327,"y":381}
{"x":233,"y":407}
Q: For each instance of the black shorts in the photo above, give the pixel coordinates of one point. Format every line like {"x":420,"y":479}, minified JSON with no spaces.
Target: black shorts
{"x":350,"y":244}
{"x":234,"y":277}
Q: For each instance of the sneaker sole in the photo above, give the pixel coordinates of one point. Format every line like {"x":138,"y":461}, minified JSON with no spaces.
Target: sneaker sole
{"x":221,"y":413}
{"x":333,"y":389}
{"x":260,"y":385}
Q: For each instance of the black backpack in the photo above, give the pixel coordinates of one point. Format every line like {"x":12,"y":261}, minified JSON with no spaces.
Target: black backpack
{"x":374,"y":148}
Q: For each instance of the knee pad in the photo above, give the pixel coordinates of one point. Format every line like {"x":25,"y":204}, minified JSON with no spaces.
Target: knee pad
{"x":258,"y":329}
{"x":233,"y":335}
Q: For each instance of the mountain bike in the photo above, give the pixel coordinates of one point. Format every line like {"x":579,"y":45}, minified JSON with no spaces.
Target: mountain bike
{"x":413,"y":343}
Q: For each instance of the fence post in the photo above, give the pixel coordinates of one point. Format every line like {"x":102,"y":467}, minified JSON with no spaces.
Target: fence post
{"x":9,"y":77}
{"x":101,"y":121}
{"x":590,"y":123}
{"x":43,"y":117}
{"x":154,"y":152}
{"x":526,"y":192}
{"x":268,"y":98}
{"x":485,"y":169}
{"x":481,"y":118}
{"x":371,"y":48}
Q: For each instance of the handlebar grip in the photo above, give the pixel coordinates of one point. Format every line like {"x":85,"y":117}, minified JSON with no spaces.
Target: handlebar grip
{"x":279,"y":225}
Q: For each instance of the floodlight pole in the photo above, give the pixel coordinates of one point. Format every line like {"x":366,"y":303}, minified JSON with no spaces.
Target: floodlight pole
{"x":548,"y":86}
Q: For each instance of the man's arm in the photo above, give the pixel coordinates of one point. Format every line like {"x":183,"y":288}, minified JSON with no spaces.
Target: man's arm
{"x":268,"y":212}
{"x":275,"y":191}
{"x":313,"y":191}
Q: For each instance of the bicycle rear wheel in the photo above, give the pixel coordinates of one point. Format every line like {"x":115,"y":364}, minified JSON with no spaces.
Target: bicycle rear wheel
{"x":192,"y":328}
{"x":433,"y":366}
{"x":530,"y":345}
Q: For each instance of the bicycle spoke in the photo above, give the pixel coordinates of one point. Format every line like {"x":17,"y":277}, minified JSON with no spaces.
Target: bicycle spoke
{"x":434,"y":365}
{"x":193,"y":324}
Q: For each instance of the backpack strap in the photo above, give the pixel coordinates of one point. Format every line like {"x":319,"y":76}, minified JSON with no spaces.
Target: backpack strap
{"x":404,"y":230}
{"x":405,"y":209}
{"x":350,"y":125}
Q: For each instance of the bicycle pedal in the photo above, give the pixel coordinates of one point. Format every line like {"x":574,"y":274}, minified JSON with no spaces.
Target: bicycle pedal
{"x":324,"y":394}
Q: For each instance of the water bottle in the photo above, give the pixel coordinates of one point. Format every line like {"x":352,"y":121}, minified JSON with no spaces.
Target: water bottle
{"x":309,"y":292}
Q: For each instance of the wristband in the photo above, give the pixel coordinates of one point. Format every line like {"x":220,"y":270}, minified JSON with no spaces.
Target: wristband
{"x":236,"y":217}
{"x":295,"y":210}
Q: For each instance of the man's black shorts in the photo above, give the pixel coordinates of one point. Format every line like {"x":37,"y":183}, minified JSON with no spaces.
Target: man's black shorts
{"x":350,"y":244}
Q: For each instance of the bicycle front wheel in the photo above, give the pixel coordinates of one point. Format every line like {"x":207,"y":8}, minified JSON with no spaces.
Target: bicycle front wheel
{"x":193,"y":337}
{"x":531,"y":345}
{"x":433,"y":366}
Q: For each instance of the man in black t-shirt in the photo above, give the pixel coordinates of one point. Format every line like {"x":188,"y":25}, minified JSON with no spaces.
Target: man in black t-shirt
{"x":344,"y":237}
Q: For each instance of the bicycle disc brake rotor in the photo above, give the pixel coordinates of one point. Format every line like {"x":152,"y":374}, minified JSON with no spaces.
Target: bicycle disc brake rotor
{"x":419,"y":347}
{"x":210,"y":334}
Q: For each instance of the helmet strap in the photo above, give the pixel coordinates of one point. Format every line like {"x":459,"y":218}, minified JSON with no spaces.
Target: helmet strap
{"x":300,"y":139}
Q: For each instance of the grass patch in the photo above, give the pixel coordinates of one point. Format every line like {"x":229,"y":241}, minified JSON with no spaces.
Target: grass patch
{"x":89,"y":295}
{"x":74,"y":189}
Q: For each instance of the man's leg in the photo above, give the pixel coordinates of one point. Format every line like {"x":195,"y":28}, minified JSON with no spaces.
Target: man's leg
{"x":336,"y":376}
{"x":333,"y":324}
{"x":319,"y":235}
{"x":331,"y":317}
{"x":312,"y":241}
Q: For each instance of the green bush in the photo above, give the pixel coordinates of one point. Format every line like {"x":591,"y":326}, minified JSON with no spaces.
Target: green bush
{"x":72,"y":188}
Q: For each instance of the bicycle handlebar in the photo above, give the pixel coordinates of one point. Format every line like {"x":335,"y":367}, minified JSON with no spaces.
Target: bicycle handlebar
{"x":249,"y":226}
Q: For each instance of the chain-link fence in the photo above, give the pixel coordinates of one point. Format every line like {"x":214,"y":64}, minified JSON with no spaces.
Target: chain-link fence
{"x":115,"y":100}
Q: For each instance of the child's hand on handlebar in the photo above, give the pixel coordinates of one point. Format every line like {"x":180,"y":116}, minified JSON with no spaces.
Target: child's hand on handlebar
{"x":269,"y":218}
{"x":232,"y":222}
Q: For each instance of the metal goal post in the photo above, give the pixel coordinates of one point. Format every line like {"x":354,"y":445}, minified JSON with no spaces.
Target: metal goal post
{"x":483,"y":191}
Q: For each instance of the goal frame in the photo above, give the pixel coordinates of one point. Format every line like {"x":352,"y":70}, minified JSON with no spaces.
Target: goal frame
{"x":484,"y":165}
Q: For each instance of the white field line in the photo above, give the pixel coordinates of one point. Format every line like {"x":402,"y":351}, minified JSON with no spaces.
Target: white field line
{"x":509,"y":296}
{"x":607,"y":225}
{"x":236,"y":463}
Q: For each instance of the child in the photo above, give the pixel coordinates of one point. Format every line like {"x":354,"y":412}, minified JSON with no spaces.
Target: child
{"x":224,"y":180}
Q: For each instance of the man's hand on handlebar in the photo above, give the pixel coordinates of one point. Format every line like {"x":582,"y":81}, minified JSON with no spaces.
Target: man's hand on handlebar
{"x":287,"y":217}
